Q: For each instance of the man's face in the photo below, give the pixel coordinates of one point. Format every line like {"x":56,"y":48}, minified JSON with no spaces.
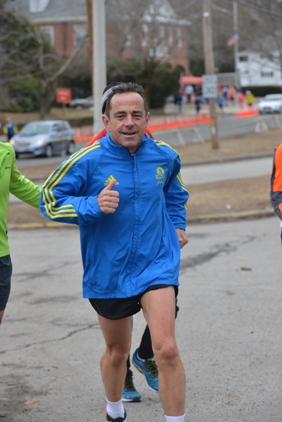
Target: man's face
{"x":128,"y":120}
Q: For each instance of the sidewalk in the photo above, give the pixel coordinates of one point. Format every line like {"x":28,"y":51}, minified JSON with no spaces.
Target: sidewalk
{"x":171,"y":108}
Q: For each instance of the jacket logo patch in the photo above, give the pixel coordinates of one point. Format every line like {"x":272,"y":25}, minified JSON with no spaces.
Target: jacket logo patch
{"x":109,"y":179}
{"x":160,"y":175}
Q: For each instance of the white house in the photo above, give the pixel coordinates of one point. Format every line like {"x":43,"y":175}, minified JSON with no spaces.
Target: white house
{"x":255,"y":69}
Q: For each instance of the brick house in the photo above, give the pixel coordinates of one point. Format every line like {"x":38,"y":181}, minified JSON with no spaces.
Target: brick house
{"x":154,"y":30}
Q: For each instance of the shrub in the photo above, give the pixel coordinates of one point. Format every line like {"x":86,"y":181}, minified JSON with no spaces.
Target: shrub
{"x":24,"y":95}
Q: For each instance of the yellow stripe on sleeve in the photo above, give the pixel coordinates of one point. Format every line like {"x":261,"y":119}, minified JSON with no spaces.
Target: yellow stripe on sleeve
{"x":49,"y":199}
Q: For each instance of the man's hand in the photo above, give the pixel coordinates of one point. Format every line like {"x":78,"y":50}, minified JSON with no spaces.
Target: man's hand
{"x":183,"y":239}
{"x":108,"y":199}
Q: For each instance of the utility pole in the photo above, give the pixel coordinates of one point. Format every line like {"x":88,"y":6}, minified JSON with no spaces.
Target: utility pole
{"x":88,"y":4}
{"x":209,"y":68}
{"x":99,"y":59}
{"x":235,"y":32}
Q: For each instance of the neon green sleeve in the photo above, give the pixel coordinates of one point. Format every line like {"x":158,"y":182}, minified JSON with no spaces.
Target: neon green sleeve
{"x":24,"y":188}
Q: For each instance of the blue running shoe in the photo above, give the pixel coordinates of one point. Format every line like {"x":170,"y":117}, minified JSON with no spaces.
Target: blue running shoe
{"x":129,"y":391}
{"x":110,"y":419}
{"x":149,"y":369}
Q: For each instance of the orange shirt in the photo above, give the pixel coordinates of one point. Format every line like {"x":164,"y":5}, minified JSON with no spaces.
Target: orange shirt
{"x":276,"y":181}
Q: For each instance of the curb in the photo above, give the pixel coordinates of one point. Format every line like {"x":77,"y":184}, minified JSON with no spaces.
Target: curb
{"x":227,"y":159}
{"x":197,"y":162}
{"x":240,"y":215}
{"x":208,"y":218}
{"x":34,"y":226}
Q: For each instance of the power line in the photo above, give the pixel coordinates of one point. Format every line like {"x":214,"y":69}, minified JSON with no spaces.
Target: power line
{"x":257,"y":8}
{"x":220,"y":9}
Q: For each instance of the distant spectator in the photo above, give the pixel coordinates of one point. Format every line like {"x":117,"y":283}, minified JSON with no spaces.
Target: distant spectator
{"x":189,"y":92}
{"x":178,"y":100}
{"x":198,"y":102}
{"x":220,"y":103}
{"x":198,"y":91}
{"x":225,"y":94}
{"x":249,"y":98}
{"x":241,"y":98}
{"x":9,"y":128}
{"x":231,"y":94}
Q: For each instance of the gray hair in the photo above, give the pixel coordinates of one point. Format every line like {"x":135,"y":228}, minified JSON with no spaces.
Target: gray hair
{"x":123,"y":88}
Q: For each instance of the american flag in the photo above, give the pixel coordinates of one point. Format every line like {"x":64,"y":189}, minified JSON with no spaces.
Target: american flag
{"x":232,"y":40}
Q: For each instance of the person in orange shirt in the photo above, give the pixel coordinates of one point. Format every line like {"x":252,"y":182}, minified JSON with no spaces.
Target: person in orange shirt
{"x":276,"y":184}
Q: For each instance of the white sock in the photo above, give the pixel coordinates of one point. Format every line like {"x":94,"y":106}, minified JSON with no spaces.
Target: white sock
{"x":175,"y":418}
{"x":115,"y":409}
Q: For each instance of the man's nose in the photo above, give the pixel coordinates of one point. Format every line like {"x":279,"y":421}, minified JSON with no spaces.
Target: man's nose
{"x":129,"y":120}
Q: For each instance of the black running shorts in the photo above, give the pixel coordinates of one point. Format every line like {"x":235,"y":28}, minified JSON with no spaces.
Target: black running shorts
{"x":122,"y":308}
{"x":5,"y":280}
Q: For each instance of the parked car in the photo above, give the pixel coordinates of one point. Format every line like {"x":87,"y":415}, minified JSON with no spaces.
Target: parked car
{"x":271,"y":103}
{"x":46,"y":137}
{"x":82,"y":102}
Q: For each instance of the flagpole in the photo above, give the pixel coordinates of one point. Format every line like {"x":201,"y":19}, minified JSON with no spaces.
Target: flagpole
{"x":236,"y":43}
{"x":209,"y":68}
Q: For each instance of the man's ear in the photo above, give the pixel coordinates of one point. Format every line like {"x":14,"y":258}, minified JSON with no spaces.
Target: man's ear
{"x":106,"y":121}
{"x":147,"y":118}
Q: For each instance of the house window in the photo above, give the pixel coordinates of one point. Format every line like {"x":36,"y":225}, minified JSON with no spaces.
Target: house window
{"x":128,"y":40}
{"x":79,"y":34}
{"x":48,"y":32}
{"x":145,"y":35}
{"x":162,"y":34}
{"x":179,"y":37}
{"x":243,"y":58}
{"x":170,"y":36}
{"x":268,"y":57}
{"x":267,"y":74}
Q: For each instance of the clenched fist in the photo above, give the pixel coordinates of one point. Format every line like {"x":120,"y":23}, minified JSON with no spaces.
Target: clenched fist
{"x":108,"y":199}
{"x":183,"y":239}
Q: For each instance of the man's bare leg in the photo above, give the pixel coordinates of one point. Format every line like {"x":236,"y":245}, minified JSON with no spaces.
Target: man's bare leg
{"x":159,"y":310}
{"x":1,"y":315}
{"x":117,"y":335}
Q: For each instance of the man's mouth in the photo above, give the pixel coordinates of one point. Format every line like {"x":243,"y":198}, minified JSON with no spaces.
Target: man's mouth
{"x":129,"y":133}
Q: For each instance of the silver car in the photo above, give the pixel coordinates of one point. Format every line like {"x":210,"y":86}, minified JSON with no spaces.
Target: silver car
{"x":46,"y":137}
{"x":82,"y":103}
{"x":271,"y":103}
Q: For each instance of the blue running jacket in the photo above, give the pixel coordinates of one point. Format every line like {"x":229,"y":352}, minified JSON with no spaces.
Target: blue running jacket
{"x":137,"y":246}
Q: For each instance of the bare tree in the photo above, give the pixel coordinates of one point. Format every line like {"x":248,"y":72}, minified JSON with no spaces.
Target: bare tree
{"x":28,"y":53}
{"x":263,"y":21}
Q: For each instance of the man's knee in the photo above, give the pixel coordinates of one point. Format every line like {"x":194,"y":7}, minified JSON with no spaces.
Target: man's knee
{"x":117,"y":357}
{"x":167,"y":353}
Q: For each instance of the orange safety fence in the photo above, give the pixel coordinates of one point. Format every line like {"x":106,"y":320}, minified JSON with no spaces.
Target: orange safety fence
{"x":85,"y":133}
{"x":246,"y":113}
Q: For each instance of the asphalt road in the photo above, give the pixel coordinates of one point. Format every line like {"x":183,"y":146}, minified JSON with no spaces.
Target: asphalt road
{"x":228,"y":126}
{"x":215,"y":172}
{"x":228,"y":329}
